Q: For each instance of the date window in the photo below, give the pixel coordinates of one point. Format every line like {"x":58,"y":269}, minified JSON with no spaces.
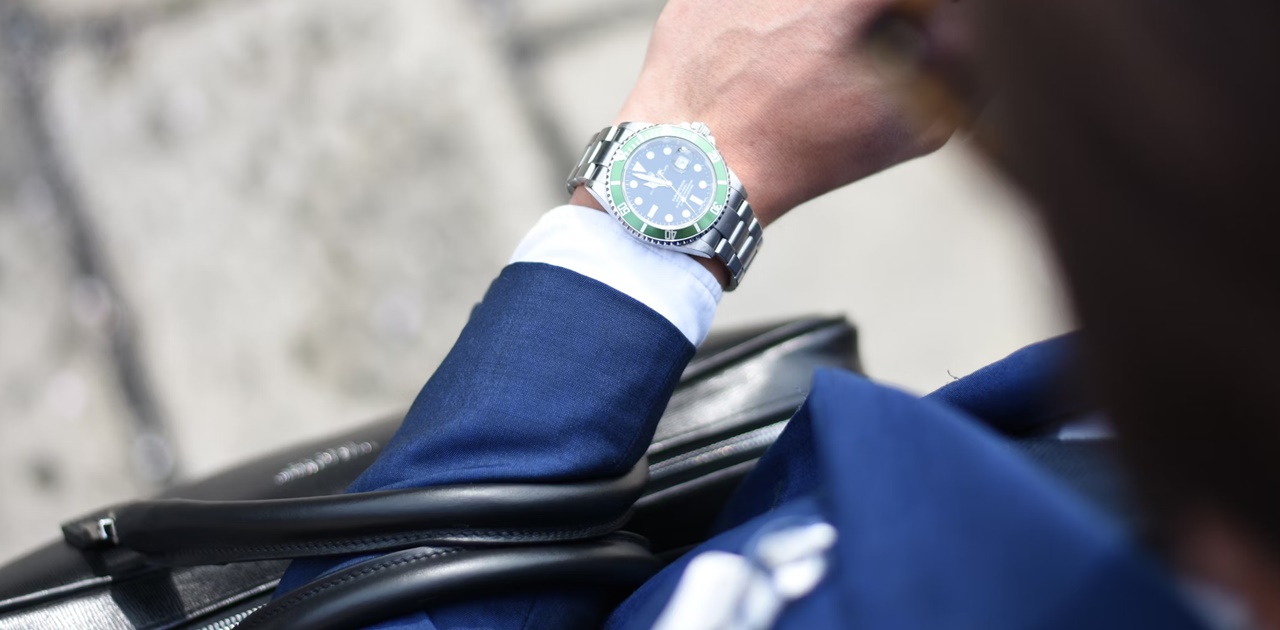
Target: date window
{"x":682,"y":160}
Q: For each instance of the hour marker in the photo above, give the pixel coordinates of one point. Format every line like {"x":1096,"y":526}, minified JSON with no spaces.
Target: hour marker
{"x":702,"y":185}
{"x":697,"y":168}
{"x":685,"y":214}
{"x":639,"y":201}
{"x":653,"y":211}
{"x":649,"y":155}
{"x":666,"y":151}
{"x":635,"y":184}
{"x":639,"y":168}
{"x":695,"y":200}
{"x":669,"y":218}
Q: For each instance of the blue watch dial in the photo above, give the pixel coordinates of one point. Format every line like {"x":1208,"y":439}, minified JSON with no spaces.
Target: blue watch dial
{"x":669,"y":182}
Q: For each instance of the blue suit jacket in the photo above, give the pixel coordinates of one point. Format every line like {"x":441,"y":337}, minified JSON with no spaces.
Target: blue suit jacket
{"x":941,"y":525}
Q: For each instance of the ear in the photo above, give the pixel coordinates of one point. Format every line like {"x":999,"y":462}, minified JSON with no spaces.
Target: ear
{"x":1218,"y":548}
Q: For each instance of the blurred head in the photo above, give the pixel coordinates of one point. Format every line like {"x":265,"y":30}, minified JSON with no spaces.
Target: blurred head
{"x":1144,"y":131}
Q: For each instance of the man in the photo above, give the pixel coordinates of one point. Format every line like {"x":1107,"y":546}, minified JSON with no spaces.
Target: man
{"x":908,"y":513}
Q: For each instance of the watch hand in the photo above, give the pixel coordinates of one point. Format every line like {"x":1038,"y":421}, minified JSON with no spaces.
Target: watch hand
{"x":652,"y":181}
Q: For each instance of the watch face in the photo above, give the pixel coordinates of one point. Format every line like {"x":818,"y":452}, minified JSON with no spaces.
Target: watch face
{"x":668,"y":184}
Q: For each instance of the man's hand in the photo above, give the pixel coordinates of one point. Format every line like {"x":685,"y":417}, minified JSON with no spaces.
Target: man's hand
{"x":796,"y":106}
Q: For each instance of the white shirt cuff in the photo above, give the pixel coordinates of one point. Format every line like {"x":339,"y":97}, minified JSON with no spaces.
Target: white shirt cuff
{"x":594,"y":244}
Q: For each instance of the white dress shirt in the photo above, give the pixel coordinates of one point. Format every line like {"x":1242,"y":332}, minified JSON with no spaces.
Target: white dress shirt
{"x":594,"y":244}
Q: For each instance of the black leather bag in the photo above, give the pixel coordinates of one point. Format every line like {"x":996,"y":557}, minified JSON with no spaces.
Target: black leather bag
{"x":210,"y":553}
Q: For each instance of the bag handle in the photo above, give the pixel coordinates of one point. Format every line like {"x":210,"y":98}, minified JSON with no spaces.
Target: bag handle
{"x":406,"y":581}
{"x":181,"y":532}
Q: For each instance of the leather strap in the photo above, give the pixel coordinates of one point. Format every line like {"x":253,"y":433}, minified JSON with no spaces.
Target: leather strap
{"x":406,"y":581}
{"x":178,"y":532}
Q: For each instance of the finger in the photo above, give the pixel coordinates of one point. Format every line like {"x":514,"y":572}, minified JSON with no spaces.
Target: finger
{"x":925,"y":49}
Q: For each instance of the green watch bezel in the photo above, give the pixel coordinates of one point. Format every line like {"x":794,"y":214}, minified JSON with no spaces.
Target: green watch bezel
{"x":653,"y":233}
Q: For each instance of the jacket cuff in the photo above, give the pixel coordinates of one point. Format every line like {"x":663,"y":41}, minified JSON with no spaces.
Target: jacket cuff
{"x":594,"y":244}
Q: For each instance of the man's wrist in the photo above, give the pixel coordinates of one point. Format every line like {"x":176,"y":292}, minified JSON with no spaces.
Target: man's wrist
{"x":581,"y":197}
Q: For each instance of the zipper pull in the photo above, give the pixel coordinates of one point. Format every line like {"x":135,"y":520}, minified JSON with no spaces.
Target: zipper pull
{"x":94,"y":531}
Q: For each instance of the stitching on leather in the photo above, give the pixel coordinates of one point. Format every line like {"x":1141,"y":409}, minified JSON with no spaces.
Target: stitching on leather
{"x":658,"y":468}
{"x":472,"y":536}
{"x":340,"y":579}
{"x":778,"y":400}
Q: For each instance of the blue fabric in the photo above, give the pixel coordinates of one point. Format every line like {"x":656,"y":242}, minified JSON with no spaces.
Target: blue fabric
{"x":641,"y":610}
{"x":787,"y":471}
{"x":941,"y":525}
{"x":1019,"y":394}
{"x":555,"y":377}
{"x":1022,"y":393}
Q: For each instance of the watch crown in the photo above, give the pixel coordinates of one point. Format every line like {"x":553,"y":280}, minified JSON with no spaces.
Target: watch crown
{"x":703,"y":130}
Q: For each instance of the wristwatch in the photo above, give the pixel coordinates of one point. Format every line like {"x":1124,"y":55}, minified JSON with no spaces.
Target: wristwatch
{"x":670,"y":187}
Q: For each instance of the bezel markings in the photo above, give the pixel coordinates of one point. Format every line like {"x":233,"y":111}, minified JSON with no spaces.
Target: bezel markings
{"x":633,"y":220}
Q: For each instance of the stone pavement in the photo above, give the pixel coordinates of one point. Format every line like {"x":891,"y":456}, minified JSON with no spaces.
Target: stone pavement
{"x":229,"y":225}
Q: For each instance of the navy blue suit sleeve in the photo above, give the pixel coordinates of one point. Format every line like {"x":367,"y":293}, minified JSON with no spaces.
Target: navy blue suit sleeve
{"x":555,"y":377}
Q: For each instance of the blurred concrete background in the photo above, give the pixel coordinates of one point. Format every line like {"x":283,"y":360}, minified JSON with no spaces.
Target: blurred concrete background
{"x":226,"y":225}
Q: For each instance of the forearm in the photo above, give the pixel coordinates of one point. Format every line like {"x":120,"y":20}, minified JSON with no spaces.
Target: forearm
{"x":534,"y":388}
{"x":555,"y":377}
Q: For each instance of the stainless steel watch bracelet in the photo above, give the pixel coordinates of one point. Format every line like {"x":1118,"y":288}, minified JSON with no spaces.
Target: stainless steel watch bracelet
{"x":733,"y":240}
